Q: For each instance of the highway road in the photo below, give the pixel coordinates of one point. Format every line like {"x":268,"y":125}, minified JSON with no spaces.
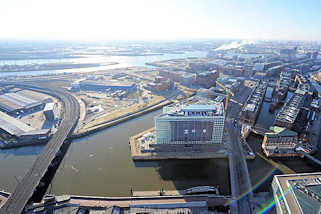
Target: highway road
{"x":26,"y":187}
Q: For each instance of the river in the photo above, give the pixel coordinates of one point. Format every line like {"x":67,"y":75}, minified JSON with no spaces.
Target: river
{"x":123,"y":61}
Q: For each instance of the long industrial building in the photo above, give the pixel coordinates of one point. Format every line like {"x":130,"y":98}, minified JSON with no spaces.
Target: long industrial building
{"x":21,"y":101}
{"x":252,"y":107}
{"x":289,"y":115}
{"x":190,"y":124}
{"x":92,"y":85}
{"x":14,"y":130}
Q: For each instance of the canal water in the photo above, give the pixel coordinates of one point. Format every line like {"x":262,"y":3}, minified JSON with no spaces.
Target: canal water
{"x":100,"y":164}
{"x":261,"y":172}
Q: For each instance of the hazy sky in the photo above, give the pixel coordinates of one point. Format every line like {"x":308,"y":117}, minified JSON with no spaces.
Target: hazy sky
{"x":160,"y":19}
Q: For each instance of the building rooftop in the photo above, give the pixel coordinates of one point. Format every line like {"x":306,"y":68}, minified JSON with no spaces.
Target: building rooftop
{"x":16,"y":101}
{"x":256,"y":97}
{"x":211,"y":108}
{"x":13,"y":126}
{"x":281,"y":131}
{"x":290,"y":109}
{"x":301,"y":191}
{"x":107,"y":83}
{"x":49,"y":107}
{"x":199,"y":107}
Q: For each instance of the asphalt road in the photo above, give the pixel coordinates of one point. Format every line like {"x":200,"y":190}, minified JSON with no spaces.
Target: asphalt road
{"x":24,"y":190}
{"x":240,"y":179}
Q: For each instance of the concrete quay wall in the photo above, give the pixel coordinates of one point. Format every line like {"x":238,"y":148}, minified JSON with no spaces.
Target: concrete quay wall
{"x":121,"y":119}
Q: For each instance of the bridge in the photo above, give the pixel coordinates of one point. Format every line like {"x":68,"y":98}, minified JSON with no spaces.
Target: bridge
{"x":32,"y":181}
{"x":310,"y":157}
{"x":259,"y":130}
{"x":239,"y":175}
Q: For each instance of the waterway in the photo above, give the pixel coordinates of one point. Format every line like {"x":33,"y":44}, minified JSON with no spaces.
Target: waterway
{"x":261,"y":172}
{"x":123,"y":62}
{"x":100,"y":164}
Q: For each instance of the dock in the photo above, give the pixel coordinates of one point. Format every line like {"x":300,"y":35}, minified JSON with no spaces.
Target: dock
{"x":137,"y":154}
{"x":222,"y":151}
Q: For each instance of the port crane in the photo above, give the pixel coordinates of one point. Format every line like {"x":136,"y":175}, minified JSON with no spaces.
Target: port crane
{"x":227,"y":94}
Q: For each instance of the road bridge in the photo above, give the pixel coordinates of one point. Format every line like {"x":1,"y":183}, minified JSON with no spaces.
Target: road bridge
{"x":48,"y":158}
{"x":310,"y":157}
{"x":239,"y":175}
{"x":259,"y":130}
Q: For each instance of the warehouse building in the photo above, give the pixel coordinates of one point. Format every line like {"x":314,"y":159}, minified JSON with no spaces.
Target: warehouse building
{"x":22,"y":101}
{"x":252,"y":107}
{"x":280,"y":142}
{"x":14,"y":129}
{"x":290,"y":116}
{"x":207,"y":79}
{"x":92,"y":85}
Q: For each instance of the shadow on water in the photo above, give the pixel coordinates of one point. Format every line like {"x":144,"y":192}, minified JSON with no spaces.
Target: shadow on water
{"x":42,"y":188}
{"x":190,"y":173}
{"x":153,"y":164}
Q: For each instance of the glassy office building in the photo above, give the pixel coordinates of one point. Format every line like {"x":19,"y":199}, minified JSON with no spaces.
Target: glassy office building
{"x":190,"y":124}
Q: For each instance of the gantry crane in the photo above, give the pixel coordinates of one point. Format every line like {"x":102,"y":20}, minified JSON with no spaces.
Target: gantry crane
{"x":227,"y":94}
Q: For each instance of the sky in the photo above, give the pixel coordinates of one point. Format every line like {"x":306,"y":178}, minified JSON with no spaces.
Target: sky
{"x":160,"y":19}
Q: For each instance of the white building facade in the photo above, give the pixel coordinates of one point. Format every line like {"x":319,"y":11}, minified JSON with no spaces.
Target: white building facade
{"x":190,"y":124}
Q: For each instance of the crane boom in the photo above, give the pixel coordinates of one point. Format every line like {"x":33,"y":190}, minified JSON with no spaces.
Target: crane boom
{"x":227,"y":94}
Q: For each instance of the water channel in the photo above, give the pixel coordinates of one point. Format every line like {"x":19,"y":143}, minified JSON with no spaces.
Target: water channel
{"x":100,"y":164}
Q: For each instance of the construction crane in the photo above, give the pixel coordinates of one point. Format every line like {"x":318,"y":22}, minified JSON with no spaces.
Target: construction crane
{"x":227,"y":94}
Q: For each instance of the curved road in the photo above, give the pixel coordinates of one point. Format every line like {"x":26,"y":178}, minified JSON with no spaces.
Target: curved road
{"x":24,"y":190}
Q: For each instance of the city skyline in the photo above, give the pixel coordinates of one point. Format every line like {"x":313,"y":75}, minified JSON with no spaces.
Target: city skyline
{"x":160,"y":20}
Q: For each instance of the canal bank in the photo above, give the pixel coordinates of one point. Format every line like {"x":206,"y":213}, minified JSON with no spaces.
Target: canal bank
{"x":100,"y":164}
{"x":123,"y":118}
